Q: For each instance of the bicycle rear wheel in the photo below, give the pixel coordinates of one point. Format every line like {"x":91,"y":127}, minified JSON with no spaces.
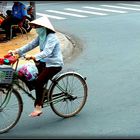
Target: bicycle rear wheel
{"x":68,"y":94}
{"x":11,"y":107}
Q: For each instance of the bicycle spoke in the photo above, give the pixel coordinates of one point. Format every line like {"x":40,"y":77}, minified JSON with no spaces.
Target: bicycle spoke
{"x":75,"y":94}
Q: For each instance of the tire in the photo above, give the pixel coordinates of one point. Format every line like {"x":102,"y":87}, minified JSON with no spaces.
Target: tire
{"x":72,"y":92}
{"x":11,"y":107}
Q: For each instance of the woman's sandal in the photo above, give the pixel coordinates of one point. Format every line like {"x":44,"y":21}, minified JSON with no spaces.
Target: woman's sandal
{"x":35,"y":114}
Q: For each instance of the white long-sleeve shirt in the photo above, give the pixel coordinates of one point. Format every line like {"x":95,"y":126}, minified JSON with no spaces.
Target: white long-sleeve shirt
{"x":50,"y":50}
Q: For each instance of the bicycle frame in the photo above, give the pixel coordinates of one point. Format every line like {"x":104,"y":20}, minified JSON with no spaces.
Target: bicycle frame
{"x":56,"y":98}
{"x":66,"y":95}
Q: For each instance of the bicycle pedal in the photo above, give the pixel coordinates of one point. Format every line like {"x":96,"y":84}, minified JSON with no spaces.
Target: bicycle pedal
{"x":45,"y":98}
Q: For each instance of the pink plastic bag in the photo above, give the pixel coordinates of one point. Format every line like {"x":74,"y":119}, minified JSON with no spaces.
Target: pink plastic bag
{"x":29,"y":71}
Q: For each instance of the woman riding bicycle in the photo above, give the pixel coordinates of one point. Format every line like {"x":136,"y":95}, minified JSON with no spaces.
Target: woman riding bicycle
{"x":49,"y":60}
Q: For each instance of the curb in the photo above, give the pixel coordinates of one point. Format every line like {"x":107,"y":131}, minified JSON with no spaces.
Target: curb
{"x":67,"y":45}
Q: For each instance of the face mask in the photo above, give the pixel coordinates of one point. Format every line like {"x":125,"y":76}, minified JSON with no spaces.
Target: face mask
{"x":42,"y":33}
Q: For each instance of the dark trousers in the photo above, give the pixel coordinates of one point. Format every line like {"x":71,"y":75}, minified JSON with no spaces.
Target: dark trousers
{"x":7,"y":23}
{"x":45,"y":73}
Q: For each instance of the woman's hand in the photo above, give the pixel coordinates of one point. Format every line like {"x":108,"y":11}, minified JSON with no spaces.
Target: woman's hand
{"x":29,"y":57}
{"x":13,"y":51}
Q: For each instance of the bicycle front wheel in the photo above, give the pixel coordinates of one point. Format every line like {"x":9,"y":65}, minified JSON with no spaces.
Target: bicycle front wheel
{"x":68,"y":94}
{"x":11,"y":107}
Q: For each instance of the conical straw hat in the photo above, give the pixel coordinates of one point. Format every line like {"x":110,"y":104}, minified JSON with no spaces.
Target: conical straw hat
{"x":43,"y":21}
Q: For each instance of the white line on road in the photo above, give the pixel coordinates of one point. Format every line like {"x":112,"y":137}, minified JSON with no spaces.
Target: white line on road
{"x":136,"y":5}
{"x":64,"y":13}
{"x":50,"y":16}
{"x":102,"y":9}
{"x":128,"y":8}
{"x":83,"y":11}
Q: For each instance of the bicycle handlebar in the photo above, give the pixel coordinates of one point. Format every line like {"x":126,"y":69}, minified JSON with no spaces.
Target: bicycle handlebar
{"x":10,"y":58}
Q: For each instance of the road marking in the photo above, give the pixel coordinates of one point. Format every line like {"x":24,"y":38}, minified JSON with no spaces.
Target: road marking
{"x":64,"y":13}
{"x":129,"y":4}
{"x":89,"y":12}
{"x":50,"y":16}
{"x":128,"y":8}
{"x":102,"y":9}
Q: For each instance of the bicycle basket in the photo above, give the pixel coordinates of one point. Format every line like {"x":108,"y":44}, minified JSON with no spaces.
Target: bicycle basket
{"x":6,"y":74}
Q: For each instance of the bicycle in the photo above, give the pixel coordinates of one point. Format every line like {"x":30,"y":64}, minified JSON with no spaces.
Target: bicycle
{"x":66,"y":94}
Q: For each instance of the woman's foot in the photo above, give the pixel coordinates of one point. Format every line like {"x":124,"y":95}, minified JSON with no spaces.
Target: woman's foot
{"x":35,"y":114}
{"x":37,"y":111}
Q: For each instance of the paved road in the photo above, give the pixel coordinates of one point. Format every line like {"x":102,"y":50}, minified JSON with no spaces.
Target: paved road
{"x":109,"y":58}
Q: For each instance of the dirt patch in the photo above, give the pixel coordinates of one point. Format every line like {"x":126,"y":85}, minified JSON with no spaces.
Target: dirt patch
{"x":21,"y":40}
{"x":17,"y":42}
